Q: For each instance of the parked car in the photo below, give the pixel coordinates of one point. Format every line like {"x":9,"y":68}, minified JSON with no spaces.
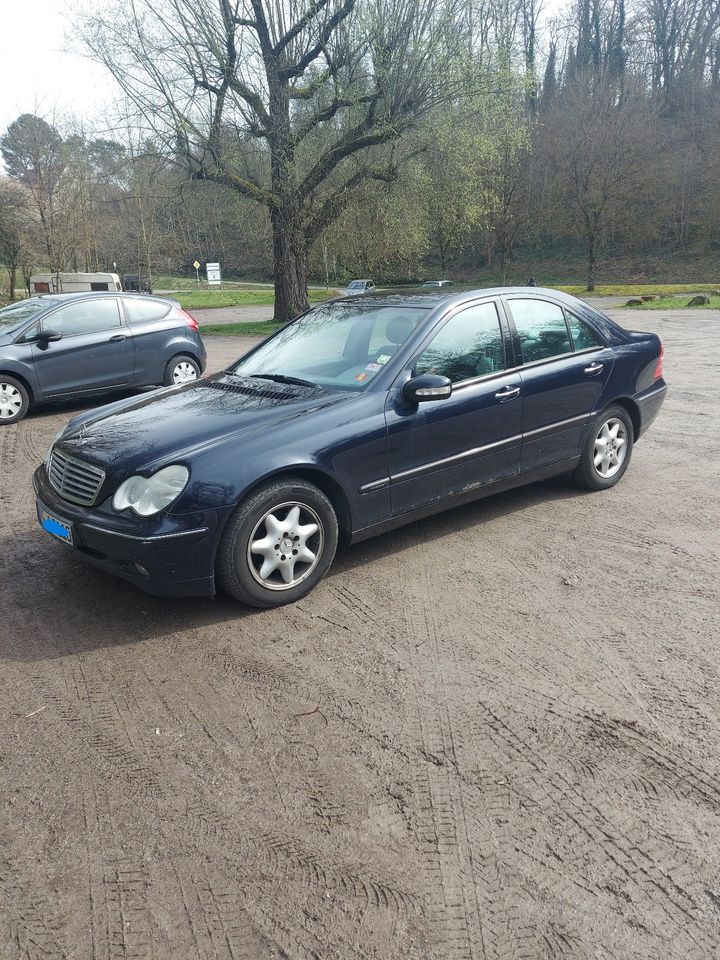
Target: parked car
{"x":438,"y":283}
{"x":356,"y":287}
{"x":137,"y":283}
{"x":41,"y":283}
{"x":75,"y":344}
{"x":359,"y":416}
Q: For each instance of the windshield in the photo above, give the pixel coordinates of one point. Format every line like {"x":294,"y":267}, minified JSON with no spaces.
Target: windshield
{"x":337,"y":345}
{"x":17,"y":313}
{"x":356,"y":285}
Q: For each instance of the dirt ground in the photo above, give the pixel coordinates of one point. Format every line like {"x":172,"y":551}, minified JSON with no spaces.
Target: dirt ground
{"x":492,"y":734}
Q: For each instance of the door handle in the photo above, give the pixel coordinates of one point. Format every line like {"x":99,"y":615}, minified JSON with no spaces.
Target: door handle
{"x":118,"y":338}
{"x":593,"y":369}
{"x":507,"y":393}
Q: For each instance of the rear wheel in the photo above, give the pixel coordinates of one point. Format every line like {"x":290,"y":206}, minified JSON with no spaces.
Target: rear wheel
{"x":607,"y":451}
{"x":181,"y":369}
{"x":278,"y":544}
{"x":14,"y":400}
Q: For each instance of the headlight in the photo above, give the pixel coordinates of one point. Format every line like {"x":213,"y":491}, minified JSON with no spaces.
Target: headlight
{"x":149,"y":495}
{"x":54,"y":440}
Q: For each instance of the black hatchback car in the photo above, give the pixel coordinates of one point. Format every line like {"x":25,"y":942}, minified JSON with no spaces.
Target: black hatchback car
{"x":54,"y":347}
{"x":363,"y":414}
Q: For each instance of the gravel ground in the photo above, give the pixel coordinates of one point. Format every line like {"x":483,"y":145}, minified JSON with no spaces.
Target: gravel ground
{"x":492,"y":734}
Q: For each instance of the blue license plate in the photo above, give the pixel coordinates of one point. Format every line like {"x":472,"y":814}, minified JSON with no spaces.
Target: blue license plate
{"x":57,"y":528}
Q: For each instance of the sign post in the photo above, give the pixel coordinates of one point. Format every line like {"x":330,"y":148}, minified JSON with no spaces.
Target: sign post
{"x":214,"y":277}
{"x":197,"y":271}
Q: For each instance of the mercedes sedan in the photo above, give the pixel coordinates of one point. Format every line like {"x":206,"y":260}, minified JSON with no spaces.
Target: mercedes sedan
{"x":361,"y":415}
{"x":81,"y":344}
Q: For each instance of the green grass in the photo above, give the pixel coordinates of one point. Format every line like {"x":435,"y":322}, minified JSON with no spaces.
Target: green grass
{"x":635,"y":289}
{"x":240,"y":329}
{"x":204,"y":299}
{"x":677,"y":303}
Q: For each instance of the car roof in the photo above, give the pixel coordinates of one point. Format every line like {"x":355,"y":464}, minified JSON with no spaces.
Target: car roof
{"x":433,"y":296}
{"x":53,"y":299}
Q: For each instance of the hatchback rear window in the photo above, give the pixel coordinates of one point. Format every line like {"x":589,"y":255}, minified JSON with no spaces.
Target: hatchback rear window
{"x":140,"y":310}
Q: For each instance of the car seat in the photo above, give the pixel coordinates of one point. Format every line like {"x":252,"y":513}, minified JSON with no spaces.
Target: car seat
{"x":397,"y":330}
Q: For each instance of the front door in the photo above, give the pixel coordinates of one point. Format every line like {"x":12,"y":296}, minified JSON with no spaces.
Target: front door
{"x":441,"y":448}
{"x":565,"y":367}
{"x":96,"y":349}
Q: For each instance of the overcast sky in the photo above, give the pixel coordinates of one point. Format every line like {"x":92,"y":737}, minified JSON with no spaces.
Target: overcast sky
{"x":38,"y":74}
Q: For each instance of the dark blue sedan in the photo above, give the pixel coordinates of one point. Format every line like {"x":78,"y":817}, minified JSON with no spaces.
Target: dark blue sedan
{"x":79,"y":344}
{"x":363,"y":414}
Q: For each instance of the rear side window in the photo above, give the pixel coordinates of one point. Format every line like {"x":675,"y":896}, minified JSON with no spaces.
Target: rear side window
{"x":541,"y":328}
{"x":140,"y":310}
{"x":583,"y":336}
{"x":84,"y":316}
{"x":469,"y":345}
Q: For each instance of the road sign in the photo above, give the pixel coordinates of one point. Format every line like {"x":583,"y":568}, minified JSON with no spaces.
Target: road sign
{"x":214,"y":276}
{"x":197,"y":264}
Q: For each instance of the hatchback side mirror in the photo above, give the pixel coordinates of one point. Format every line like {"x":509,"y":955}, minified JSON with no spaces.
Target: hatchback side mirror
{"x":429,"y":386}
{"x":47,"y":336}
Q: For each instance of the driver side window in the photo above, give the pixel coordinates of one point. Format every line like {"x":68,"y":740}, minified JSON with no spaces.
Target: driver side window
{"x":84,"y":316}
{"x":469,"y":345}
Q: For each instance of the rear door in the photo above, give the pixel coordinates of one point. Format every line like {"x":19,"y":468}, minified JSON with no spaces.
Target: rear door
{"x":565,"y":368}
{"x":442,"y":448}
{"x":96,"y":349}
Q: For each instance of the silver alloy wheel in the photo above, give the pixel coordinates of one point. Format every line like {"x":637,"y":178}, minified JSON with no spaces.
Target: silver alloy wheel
{"x":610,"y":448}
{"x":183,"y":372}
{"x":11,"y":401}
{"x":285,"y":546}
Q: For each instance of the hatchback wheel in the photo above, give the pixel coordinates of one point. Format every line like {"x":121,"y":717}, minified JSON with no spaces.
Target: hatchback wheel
{"x":181,"y":370}
{"x":14,"y":400}
{"x":607,"y":451}
{"x":278,"y":544}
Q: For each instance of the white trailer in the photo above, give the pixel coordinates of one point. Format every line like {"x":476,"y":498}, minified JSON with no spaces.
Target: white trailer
{"x":73,"y":282}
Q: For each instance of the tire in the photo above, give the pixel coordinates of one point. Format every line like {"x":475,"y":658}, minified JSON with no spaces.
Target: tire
{"x":179,"y":365}
{"x":612,"y":425}
{"x":14,"y":400}
{"x":262,"y":520}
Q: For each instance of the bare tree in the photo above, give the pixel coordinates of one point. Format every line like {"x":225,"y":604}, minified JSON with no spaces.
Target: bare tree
{"x":15,"y":227}
{"x":596,"y":147}
{"x":284,"y":102}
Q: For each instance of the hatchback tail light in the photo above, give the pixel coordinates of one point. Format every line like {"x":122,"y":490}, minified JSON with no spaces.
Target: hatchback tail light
{"x":189,"y":319}
{"x":659,"y":367}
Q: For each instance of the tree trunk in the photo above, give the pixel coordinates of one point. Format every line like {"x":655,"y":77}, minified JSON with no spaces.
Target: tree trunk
{"x":591,"y":262}
{"x":13,"y":277}
{"x":289,"y":265}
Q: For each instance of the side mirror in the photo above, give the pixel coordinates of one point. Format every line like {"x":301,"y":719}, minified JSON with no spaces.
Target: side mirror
{"x":47,"y":336}
{"x":429,"y":386}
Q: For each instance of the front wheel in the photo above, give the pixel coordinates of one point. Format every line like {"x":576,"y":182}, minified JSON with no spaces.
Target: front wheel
{"x":14,"y":400}
{"x":278,"y":544}
{"x":607,"y":452}
{"x":181,"y":369}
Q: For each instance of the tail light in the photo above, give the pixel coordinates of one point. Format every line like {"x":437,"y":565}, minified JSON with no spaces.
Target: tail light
{"x":659,"y":367}
{"x":189,"y":319}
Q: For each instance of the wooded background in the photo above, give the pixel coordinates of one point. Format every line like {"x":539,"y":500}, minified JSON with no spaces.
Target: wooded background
{"x":322,"y":140}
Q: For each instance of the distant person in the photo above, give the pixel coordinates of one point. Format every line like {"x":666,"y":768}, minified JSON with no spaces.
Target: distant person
{"x":531,"y":282}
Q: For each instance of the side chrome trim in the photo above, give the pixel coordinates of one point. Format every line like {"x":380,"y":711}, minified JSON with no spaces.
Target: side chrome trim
{"x":129,"y":536}
{"x":466,"y":454}
{"x":557,"y":425}
{"x":652,"y":393}
{"x":374,"y":485}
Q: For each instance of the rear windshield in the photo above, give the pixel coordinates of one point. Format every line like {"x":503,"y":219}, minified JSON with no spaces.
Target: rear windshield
{"x":18,"y":313}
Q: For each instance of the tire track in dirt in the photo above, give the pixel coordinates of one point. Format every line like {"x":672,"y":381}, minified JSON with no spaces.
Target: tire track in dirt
{"x":34,"y":930}
{"x":118,"y":885}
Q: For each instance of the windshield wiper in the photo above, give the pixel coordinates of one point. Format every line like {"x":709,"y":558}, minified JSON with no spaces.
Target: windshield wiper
{"x":281,"y":378}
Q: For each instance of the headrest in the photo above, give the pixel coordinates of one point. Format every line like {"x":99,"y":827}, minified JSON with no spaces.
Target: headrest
{"x":399,"y":329}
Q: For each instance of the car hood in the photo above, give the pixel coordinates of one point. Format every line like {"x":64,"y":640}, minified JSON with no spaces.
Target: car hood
{"x":145,"y":432}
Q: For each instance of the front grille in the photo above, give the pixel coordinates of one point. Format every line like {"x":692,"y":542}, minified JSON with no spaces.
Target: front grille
{"x":75,"y":480}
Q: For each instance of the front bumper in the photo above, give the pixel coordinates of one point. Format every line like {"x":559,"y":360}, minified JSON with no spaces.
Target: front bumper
{"x":175,"y":559}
